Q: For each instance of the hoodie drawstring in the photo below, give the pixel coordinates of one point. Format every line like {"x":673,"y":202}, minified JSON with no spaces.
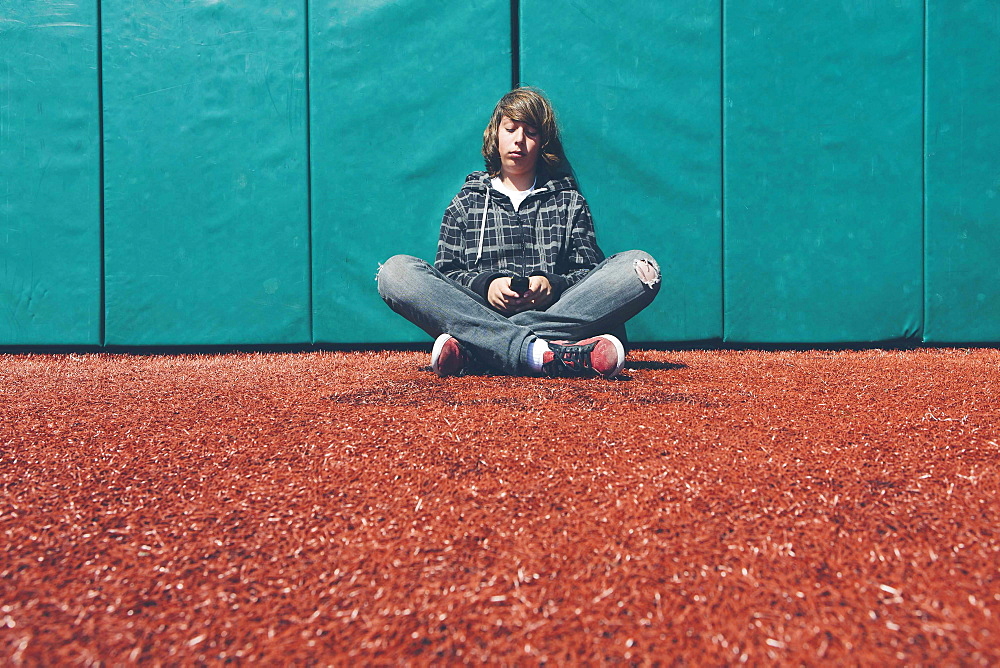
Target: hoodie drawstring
{"x":482,"y":230}
{"x":486,"y":210}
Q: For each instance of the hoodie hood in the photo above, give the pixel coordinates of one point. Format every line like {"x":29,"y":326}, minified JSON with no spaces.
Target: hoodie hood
{"x":479,"y":181}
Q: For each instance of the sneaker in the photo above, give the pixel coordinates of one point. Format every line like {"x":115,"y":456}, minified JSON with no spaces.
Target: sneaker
{"x":447,"y":356}
{"x":602,"y":355}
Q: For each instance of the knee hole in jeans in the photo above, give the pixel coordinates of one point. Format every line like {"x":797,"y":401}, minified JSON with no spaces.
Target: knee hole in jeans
{"x":647,"y":271}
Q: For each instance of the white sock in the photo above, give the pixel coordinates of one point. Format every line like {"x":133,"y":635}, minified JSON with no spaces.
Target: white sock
{"x":536,"y":354}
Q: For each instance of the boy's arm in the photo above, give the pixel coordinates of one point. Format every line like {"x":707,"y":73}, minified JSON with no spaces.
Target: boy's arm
{"x":450,"y":258}
{"x":583,"y":253}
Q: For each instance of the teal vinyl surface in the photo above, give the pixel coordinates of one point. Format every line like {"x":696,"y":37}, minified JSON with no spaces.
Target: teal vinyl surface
{"x":400,"y":94}
{"x":963,"y":172}
{"x":206,"y":190}
{"x":823,"y":170}
{"x":804,"y":172}
{"x":50,"y":210}
{"x":636,"y":88}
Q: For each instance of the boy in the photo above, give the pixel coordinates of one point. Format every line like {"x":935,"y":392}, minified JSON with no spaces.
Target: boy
{"x":522,"y":218}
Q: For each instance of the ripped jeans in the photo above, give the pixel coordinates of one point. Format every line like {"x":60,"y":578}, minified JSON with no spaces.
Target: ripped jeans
{"x":600,"y":303}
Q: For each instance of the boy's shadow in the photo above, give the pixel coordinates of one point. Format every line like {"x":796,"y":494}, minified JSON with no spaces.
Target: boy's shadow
{"x":654,"y":366}
{"x":639,"y":364}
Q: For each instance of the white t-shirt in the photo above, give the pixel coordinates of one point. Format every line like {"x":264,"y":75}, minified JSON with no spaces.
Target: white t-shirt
{"x":516,"y":196}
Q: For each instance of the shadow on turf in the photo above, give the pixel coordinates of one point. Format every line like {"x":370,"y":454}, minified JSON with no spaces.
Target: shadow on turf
{"x":637,"y":364}
{"x":654,"y":366}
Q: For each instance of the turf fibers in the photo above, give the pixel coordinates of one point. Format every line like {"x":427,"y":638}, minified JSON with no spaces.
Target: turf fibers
{"x":712,"y":507}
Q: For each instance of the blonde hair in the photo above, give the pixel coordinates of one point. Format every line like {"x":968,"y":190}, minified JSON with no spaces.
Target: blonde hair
{"x":526,"y":105}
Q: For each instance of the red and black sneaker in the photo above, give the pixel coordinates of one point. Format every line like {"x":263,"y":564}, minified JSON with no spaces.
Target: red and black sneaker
{"x":447,"y":356}
{"x":602,"y":355}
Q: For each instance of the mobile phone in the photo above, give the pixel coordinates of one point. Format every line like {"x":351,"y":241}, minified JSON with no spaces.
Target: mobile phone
{"x":519,"y":284}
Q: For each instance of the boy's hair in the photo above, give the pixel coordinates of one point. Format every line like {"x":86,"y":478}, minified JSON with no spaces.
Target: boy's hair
{"x":526,"y":105}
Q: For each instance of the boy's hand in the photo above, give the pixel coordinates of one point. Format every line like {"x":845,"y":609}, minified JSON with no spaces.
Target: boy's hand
{"x":537,"y":296}
{"x":501,"y":297}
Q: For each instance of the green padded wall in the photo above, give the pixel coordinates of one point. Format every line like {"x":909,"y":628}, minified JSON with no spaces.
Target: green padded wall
{"x":636,"y":87}
{"x":206,"y":177}
{"x":400,"y":94}
{"x":823,"y":170}
{"x":805,"y":171}
{"x":50,"y":179}
{"x":963,"y":171}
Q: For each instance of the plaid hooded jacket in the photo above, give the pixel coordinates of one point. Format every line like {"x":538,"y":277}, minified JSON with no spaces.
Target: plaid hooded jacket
{"x":482,"y":237}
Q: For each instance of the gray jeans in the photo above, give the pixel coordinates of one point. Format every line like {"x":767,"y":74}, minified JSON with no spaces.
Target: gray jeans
{"x":600,"y":303}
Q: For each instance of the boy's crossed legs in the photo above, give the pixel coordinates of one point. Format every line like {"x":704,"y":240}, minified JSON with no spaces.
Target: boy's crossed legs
{"x":614,"y":291}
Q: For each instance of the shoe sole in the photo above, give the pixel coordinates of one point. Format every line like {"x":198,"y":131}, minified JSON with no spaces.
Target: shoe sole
{"x":620,"y":349}
{"x":436,"y":353}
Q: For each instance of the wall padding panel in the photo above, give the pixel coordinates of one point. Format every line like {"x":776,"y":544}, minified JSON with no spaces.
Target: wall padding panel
{"x":400,"y":94}
{"x":50,"y":213}
{"x":963,"y":171}
{"x":636,"y":87}
{"x":206,"y":190}
{"x":823,"y":170}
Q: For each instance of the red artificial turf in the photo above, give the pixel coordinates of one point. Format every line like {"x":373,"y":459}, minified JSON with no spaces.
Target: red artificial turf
{"x":712,"y":507}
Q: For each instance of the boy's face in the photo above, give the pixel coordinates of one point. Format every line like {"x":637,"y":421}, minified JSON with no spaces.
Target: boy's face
{"x":519,"y":146}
